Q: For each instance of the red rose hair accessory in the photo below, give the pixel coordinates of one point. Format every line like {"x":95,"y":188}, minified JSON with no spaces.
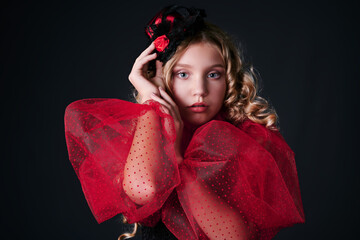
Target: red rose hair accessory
{"x":171,"y":26}
{"x":161,"y":43}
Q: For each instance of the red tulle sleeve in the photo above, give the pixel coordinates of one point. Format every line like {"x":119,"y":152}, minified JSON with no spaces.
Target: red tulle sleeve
{"x":250,"y":170}
{"x":235,"y":181}
{"x":99,"y":134}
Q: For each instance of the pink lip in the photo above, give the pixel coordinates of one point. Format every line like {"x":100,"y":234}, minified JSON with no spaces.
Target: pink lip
{"x":198,"y":107}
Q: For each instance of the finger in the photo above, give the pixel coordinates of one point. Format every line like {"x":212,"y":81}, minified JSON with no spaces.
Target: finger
{"x":145,"y":59}
{"x":142,"y":62}
{"x":168,"y":99}
{"x":140,"y":65}
{"x":167,"y":108}
{"x":166,"y":96}
{"x":138,"y":75}
{"x":148,"y":50}
{"x":160,"y":100}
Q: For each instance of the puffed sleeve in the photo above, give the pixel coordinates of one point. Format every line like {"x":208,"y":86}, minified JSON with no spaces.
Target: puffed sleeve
{"x":99,"y":134}
{"x":250,"y":170}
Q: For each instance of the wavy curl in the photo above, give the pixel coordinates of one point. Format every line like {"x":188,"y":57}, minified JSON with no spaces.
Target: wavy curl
{"x":128,"y":235}
{"x":241,"y":100}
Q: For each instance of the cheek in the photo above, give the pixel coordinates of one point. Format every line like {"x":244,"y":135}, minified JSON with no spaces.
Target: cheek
{"x":178,"y":97}
{"x":221,"y":92}
{"x":179,"y":92}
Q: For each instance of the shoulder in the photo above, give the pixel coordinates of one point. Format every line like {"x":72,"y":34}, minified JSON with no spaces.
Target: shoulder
{"x":272,"y":140}
{"x":249,"y":127}
{"x":255,"y":130}
{"x":221,"y":140}
{"x":267,"y":138}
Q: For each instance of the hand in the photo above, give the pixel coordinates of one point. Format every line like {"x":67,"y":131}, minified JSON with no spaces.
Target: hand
{"x":170,"y":107}
{"x":139,"y":75}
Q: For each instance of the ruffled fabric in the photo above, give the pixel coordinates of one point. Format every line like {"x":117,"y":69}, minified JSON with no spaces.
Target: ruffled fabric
{"x":230,"y":174}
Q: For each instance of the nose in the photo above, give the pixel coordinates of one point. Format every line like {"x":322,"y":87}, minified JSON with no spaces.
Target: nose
{"x":200,"y":88}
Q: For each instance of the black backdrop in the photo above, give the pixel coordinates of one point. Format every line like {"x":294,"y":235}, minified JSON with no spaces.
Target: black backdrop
{"x":55,"y":52}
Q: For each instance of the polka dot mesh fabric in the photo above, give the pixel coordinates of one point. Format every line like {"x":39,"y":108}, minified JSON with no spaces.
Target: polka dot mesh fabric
{"x":236,"y":182}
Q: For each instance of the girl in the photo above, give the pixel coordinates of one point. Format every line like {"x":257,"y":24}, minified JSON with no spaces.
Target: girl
{"x":200,"y":153}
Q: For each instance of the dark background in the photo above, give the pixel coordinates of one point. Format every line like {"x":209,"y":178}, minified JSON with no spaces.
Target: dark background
{"x":56,"y":52}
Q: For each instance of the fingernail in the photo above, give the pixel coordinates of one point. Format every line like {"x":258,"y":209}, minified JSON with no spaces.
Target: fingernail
{"x":161,"y":88}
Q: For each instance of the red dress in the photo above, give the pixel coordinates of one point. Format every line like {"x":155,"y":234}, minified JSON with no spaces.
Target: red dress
{"x":248,"y":168}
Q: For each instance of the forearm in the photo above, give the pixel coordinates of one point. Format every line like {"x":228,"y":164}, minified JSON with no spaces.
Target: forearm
{"x":143,"y":159}
{"x":216,"y":218}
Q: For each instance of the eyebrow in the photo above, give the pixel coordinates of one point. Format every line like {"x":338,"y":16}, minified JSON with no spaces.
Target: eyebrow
{"x":190,"y":66}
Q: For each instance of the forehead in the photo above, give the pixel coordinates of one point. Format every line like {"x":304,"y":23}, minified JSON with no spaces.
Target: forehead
{"x":201,"y":54}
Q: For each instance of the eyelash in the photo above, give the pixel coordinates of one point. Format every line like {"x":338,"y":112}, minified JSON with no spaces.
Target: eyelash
{"x":218,"y":75}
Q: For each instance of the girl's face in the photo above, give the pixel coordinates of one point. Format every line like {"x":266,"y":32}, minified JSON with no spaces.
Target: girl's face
{"x":199,"y":83}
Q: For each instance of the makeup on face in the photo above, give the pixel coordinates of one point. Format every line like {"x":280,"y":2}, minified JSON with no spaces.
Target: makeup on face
{"x":199,"y":83}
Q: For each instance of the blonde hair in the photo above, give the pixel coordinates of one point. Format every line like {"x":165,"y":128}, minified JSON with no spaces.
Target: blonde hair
{"x":128,"y":235}
{"x":241,"y":100}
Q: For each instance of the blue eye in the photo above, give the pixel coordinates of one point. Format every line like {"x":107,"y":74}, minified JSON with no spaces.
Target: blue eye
{"x":214,"y":75}
{"x":182,"y":74}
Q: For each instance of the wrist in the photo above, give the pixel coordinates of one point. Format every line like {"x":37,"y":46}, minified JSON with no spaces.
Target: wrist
{"x":143,"y":97}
